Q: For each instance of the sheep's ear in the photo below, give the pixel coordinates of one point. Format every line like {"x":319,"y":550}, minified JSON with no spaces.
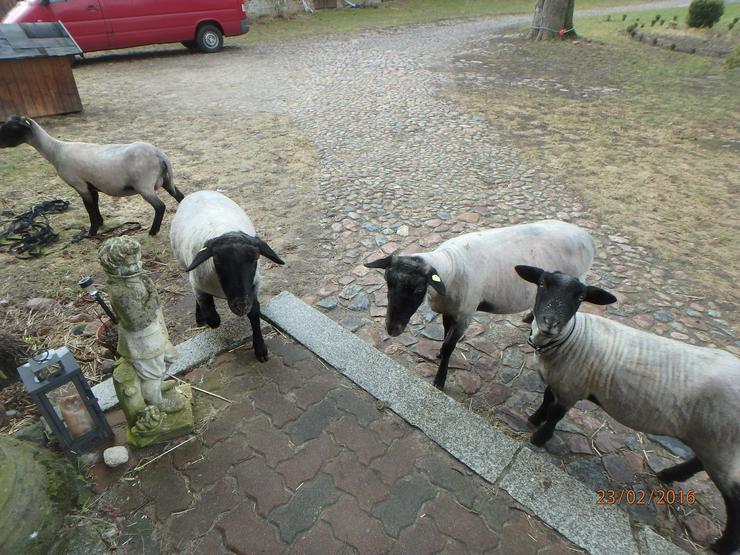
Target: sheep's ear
{"x":203,"y":254}
{"x":531,"y":274}
{"x":267,"y":252}
{"x":435,"y":281}
{"x":383,"y":263}
{"x":597,"y":295}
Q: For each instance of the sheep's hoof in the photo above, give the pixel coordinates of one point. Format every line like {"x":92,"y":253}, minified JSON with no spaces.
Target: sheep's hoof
{"x":539,"y":438}
{"x":723,"y":547}
{"x":214,"y":322}
{"x":439,"y":385}
{"x":665,"y":476}
{"x":262,"y":355}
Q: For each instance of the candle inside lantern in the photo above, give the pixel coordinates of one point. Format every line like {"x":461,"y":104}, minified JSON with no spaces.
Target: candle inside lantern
{"x":75,"y":415}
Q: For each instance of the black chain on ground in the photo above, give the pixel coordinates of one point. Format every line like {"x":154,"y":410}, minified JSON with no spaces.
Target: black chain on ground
{"x":25,"y":236}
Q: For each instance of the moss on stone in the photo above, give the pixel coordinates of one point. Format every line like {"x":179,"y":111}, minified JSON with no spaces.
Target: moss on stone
{"x":37,"y":488}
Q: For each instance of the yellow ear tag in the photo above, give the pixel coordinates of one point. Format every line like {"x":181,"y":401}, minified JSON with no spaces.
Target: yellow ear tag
{"x":203,"y":249}
{"x":436,"y":278}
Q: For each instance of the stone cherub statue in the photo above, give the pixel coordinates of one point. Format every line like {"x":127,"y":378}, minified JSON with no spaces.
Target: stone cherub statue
{"x":152,"y":406}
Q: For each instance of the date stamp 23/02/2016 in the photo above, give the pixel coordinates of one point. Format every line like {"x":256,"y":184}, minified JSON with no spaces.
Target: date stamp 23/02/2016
{"x":647,"y":496}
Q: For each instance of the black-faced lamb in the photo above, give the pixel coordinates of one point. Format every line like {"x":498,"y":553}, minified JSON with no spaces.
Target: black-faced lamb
{"x":647,"y":382}
{"x":117,"y":170}
{"x":215,"y":242}
{"x":475,"y":272}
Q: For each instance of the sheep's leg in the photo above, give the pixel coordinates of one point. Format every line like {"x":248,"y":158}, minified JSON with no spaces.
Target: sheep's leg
{"x":90,"y":199}
{"x":555,"y":413}
{"x":205,"y":311}
{"x":447,"y":324}
{"x":730,"y":541}
{"x":451,"y":338}
{"x":159,"y":208}
{"x":173,"y":191}
{"x":681,"y":472}
{"x":540,"y":415}
{"x":258,"y":342}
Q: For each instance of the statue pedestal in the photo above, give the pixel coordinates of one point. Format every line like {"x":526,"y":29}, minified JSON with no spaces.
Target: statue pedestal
{"x":146,"y":424}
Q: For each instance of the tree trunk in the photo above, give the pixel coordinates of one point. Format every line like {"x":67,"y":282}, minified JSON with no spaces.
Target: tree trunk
{"x":551,"y":17}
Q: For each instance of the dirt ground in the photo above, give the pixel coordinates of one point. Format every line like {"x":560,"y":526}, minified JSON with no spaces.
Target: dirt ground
{"x":648,"y":138}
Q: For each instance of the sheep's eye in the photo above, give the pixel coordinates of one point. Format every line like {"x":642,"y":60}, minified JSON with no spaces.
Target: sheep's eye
{"x":581,"y":297}
{"x":419,"y":290}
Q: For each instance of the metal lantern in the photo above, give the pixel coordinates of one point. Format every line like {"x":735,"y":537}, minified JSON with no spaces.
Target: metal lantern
{"x":55,"y":382}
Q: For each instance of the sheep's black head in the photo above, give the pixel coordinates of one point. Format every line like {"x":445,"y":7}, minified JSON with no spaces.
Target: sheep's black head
{"x":558,"y":297}
{"x":16,"y":130}
{"x":235,"y":256}
{"x":407,"y":278}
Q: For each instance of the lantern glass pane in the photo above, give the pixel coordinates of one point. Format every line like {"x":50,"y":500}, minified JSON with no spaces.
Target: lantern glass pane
{"x":48,"y":372}
{"x":71,"y":409}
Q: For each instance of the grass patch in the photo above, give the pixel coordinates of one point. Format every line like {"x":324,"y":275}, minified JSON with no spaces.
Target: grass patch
{"x":647,"y":137}
{"x":390,"y":14}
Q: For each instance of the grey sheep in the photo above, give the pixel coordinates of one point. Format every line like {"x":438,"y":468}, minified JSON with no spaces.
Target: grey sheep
{"x":117,"y":170}
{"x":215,"y":242}
{"x":647,"y":382}
{"x":475,"y":272}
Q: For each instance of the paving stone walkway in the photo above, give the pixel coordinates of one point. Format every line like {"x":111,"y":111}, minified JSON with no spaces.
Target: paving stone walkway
{"x":302,"y":461}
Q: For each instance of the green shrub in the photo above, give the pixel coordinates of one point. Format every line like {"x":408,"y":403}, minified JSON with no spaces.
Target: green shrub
{"x":732,"y":23}
{"x":662,"y":22}
{"x":631,"y":27}
{"x":705,"y":13}
{"x":733,"y":60}
{"x":624,"y":16}
{"x":608,"y":18}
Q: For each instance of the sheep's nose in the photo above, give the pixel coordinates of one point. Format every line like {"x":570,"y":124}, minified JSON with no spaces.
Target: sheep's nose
{"x":549,"y":321}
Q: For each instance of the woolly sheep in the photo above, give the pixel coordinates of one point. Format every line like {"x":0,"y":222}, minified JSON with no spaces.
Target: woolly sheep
{"x":215,"y":242}
{"x":117,"y":170}
{"x":475,"y":272}
{"x":650,"y":383}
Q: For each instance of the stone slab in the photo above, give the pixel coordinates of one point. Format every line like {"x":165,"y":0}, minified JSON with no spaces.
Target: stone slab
{"x":568,"y":505}
{"x":193,"y":352}
{"x":651,"y":543}
{"x":463,"y":434}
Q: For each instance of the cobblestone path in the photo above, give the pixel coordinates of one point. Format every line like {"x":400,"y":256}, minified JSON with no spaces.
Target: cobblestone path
{"x":403,"y":168}
{"x":304,"y":462}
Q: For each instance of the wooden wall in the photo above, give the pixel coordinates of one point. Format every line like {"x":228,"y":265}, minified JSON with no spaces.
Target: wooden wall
{"x":37,"y":87}
{"x":5,"y":6}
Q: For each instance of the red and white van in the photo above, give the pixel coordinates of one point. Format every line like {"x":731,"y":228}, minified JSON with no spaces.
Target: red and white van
{"x":107,"y":24}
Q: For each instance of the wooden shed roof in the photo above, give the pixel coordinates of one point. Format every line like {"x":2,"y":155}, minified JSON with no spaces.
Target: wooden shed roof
{"x":35,"y":40}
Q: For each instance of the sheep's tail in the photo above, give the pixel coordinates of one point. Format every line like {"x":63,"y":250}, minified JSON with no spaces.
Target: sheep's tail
{"x":166,"y":176}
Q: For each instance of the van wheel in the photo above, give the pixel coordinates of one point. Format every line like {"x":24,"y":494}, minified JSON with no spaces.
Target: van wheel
{"x":189,"y":44}
{"x":209,"y":39}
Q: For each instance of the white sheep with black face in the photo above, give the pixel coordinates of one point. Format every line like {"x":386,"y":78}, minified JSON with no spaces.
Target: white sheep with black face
{"x":475,"y":272}
{"x":647,"y":382}
{"x":117,"y":170}
{"x":215,"y":242}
